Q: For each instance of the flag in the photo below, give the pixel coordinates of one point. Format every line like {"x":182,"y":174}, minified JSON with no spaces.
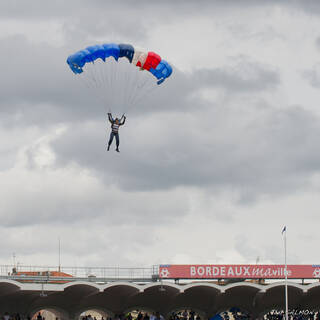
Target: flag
{"x":284,"y":229}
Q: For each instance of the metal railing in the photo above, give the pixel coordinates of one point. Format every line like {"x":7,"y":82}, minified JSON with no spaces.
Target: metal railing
{"x":102,"y":274}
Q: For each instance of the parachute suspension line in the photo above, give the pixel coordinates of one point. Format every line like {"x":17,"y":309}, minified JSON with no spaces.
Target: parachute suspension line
{"x":107,"y":86}
{"x":90,"y":76}
{"x":131,"y":86}
{"x":143,"y":83}
{"x":125,"y":80}
{"x":136,"y":88}
{"x":138,"y":99}
{"x":104,"y":83}
{"x":146,"y":92}
{"x":147,"y":88}
{"x":139,"y":76}
{"x":84,"y":82}
{"x":108,"y":73}
{"x":100,"y":78}
{"x":93,"y":79}
{"x":132,"y":83}
{"x":111,"y":77}
{"x":88,"y":84}
{"x":118,"y":86}
{"x":117,"y":90}
{"x":114,"y":85}
{"x":94,"y":73}
{"x":108,"y":69}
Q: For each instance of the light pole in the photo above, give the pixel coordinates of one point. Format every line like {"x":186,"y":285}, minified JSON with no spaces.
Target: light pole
{"x":284,"y":232}
{"x":59,"y":268}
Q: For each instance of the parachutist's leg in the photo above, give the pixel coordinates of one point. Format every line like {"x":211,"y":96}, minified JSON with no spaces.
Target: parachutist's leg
{"x":110,"y":140}
{"x":117,"y":141}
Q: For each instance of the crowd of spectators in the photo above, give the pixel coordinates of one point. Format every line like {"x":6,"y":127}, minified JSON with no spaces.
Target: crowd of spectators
{"x":137,"y":315}
{"x":185,"y":315}
{"x":232,"y":314}
{"x":235,"y":314}
{"x":293,"y":315}
{"x":15,"y":316}
{"x":18,"y":316}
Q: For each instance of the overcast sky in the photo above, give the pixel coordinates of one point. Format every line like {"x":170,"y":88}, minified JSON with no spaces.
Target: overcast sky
{"x":224,"y":154}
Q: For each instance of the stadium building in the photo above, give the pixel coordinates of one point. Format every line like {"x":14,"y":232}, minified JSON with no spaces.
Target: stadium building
{"x":208,"y":290}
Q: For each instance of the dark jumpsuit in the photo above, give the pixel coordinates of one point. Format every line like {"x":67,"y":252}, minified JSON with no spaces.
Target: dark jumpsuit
{"x":115,"y":129}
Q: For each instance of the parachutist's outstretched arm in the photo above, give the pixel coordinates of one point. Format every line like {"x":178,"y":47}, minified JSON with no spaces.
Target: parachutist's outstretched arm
{"x":123,"y":120}
{"x":110,"y":117}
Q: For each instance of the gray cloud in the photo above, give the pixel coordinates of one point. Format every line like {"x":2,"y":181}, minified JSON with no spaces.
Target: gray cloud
{"x":206,"y":148}
{"x":313,"y":76}
{"x":54,"y":9}
{"x":57,"y":98}
{"x":55,"y":95}
{"x":58,"y":9}
{"x":62,"y":197}
{"x":38,"y":245}
{"x":271,"y":153}
{"x":51,"y":90}
{"x":243,"y":77}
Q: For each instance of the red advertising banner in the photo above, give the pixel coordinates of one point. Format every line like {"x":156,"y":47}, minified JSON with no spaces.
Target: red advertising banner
{"x":239,"y":271}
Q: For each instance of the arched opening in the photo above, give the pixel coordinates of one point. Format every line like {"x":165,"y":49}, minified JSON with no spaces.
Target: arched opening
{"x":49,"y":314}
{"x":95,"y":314}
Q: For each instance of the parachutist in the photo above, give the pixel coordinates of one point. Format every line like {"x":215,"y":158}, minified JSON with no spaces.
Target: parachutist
{"x":115,"y":124}
{"x":115,"y":80}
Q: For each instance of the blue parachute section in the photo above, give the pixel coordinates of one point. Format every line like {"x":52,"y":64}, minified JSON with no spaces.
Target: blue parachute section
{"x":79,"y":59}
{"x":111,"y":50}
{"x":126,"y":50}
{"x":162,"y":71}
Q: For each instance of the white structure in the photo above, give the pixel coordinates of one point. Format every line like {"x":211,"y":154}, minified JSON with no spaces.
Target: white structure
{"x":69,"y":300}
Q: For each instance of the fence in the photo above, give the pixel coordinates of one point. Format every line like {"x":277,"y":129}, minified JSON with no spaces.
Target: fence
{"x":100,"y":273}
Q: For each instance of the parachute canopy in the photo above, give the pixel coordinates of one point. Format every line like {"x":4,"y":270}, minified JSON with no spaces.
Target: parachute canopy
{"x":150,"y":61}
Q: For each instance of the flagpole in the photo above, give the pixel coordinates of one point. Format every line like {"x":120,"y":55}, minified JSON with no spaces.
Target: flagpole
{"x":285,"y":271}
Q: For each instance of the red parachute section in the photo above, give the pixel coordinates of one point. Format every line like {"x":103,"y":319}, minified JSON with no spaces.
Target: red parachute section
{"x":152,"y":61}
